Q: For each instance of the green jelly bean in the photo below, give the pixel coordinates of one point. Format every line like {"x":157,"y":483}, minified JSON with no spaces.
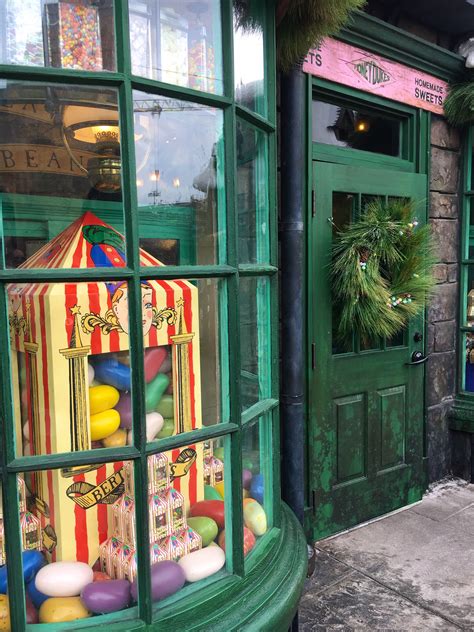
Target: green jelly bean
{"x":206,"y":527}
{"x":211,"y":494}
{"x":167,"y":429}
{"x":166,"y":406}
{"x":155,"y":390}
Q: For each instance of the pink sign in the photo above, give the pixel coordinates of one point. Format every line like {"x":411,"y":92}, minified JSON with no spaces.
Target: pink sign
{"x":360,"y":69}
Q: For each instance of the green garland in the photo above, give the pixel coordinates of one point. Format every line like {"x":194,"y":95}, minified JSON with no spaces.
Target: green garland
{"x":459,"y":104}
{"x":381,"y":271}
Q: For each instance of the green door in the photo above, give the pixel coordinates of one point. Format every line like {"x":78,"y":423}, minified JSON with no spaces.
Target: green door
{"x":366,"y":401}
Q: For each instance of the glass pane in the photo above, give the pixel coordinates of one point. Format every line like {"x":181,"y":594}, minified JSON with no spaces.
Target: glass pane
{"x":469,"y":298}
{"x":255,"y":343}
{"x":343,"y":208}
{"x":358,"y":129}
{"x":256,"y":465}
{"x":77,"y":34}
{"x":249,"y":69}
{"x":186,"y":371}
{"x":180,"y":179}
{"x":252,"y":194}
{"x":469,"y":367}
{"x":470,"y":252}
{"x":397,"y":341}
{"x":60,"y":176}
{"x":178,"y":42}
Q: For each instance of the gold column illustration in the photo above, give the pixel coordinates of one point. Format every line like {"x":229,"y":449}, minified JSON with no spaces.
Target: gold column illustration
{"x":76,"y":355}
{"x":31,"y":350}
{"x":181,"y":381}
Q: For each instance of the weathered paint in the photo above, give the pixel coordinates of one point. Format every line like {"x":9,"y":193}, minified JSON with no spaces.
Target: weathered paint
{"x":357,"y":68}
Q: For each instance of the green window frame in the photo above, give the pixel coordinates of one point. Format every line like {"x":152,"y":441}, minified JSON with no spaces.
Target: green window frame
{"x":229,"y":272}
{"x":467,"y":261}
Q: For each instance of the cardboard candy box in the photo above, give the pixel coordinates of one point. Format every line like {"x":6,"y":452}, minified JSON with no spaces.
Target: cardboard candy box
{"x":57,"y":330}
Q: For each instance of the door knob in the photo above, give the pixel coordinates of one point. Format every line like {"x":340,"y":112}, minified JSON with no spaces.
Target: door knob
{"x":417,"y":357}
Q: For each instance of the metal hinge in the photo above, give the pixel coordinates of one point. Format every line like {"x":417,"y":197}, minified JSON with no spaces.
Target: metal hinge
{"x":313,"y":204}
{"x":313,"y":356}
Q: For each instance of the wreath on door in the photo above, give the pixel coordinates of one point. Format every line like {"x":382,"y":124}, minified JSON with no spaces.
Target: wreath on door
{"x":381,"y":270}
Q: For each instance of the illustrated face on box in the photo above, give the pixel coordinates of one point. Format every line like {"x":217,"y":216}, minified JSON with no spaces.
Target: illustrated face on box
{"x":120,"y":305}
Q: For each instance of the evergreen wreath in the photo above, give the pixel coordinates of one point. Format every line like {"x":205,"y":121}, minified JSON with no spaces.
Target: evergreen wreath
{"x":382,"y":270}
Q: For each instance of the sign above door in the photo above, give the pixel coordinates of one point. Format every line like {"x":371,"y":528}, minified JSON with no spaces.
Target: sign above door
{"x":357,"y":68}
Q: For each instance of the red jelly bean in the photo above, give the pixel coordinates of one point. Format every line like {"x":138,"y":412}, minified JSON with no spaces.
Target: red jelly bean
{"x":249,"y":541}
{"x":154,"y":358}
{"x":211,"y":509}
{"x":99,"y":576}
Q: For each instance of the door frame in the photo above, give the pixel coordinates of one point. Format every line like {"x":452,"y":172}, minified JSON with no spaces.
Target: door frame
{"x":415,"y":159}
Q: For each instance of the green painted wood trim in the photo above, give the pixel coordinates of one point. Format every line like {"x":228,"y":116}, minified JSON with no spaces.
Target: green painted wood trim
{"x":389,"y":41}
{"x":461,"y":415}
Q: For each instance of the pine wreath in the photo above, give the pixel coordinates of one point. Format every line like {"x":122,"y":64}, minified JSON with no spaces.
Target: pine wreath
{"x":382,"y":270}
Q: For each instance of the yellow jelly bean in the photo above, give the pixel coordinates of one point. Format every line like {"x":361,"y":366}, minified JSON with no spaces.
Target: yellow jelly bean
{"x":4,"y":614}
{"x":60,"y":609}
{"x":104,"y":424}
{"x":219,"y":487}
{"x":102,"y":398}
{"x":255,"y":518}
{"x":116,"y":440}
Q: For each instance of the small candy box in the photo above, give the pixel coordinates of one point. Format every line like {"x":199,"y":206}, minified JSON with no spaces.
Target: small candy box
{"x":160,"y":525}
{"x":157,"y":554}
{"x":121,"y":510}
{"x":175,"y":548}
{"x":192,"y":540}
{"x":207,"y":471}
{"x":30,"y":532}
{"x":121,"y":561}
{"x":21,"y":493}
{"x":158,"y":473}
{"x":107,"y":551}
{"x":175,"y":506}
{"x":217,"y":468}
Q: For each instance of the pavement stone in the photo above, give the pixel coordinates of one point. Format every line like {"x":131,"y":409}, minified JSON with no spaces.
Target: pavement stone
{"x":412,"y":570}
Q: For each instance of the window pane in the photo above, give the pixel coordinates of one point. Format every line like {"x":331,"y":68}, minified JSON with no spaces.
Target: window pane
{"x":60,"y":163}
{"x":256,"y":468}
{"x":252,"y":194}
{"x":468,"y":381}
{"x":470,"y":245}
{"x":358,"y":129}
{"x":180,"y":179}
{"x":249,"y":74}
{"x":469,"y":298}
{"x":178,"y":42}
{"x":77,"y":34}
{"x":255,"y":343}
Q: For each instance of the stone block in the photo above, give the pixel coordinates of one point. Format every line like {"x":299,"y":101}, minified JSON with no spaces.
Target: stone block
{"x":446,"y":237}
{"x":443,"y":135}
{"x":443,"y":305}
{"x":440,"y":273}
{"x":440,"y":378}
{"x":453,"y":273}
{"x":444,"y":170}
{"x":444,"y":206}
{"x":444,"y":336}
{"x":438,"y":442}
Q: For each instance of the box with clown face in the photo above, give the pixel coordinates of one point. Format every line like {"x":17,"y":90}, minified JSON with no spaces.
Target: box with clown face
{"x":71,"y":376}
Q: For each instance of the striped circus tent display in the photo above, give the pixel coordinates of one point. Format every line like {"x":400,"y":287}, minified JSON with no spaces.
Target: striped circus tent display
{"x":57,"y":330}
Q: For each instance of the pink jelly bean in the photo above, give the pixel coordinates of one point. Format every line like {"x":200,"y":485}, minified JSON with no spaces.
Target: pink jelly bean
{"x":124,"y":408}
{"x":154,"y":358}
{"x":246,"y":478}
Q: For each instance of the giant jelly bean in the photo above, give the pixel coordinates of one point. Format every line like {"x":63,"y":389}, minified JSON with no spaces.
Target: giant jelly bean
{"x":200,"y":564}
{"x":36,"y":596}
{"x":211,"y":509}
{"x":31,"y":612}
{"x":154,"y":358}
{"x":255,"y":518}
{"x":167,"y":429}
{"x":205,"y":527}
{"x":219,"y":487}
{"x":166,"y":407}
{"x":155,"y":390}
{"x":154,"y":423}
{"x":102,"y":398}
{"x":249,"y":541}
{"x":114,"y":373}
{"x":211,"y":494}
{"x":246,"y":478}
{"x":116,"y":440}
{"x":124,"y":408}
{"x":109,"y":596}
{"x":32,"y":562}
{"x":63,"y":579}
{"x":62,"y":609}
{"x":104,"y":424}
{"x":167,"y":577}
{"x":256,"y":488}
{"x":4,"y":614}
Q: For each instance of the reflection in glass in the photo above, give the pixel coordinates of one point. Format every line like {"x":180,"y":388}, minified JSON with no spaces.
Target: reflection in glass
{"x":343,"y":208}
{"x":255,"y":345}
{"x":59,"y":160}
{"x":256,"y":500}
{"x":469,"y":369}
{"x":249,"y":70}
{"x":358,"y":129}
{"x":77,"y":35}
{"x":252,"y":194}
{"x":177,"y":42}
{"x":180,"y":185}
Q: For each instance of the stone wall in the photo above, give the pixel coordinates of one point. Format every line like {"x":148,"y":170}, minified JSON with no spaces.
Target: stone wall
{"x":443,"y":309}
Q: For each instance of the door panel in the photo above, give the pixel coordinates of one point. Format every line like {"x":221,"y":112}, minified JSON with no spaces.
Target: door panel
{"x":366,"y":402}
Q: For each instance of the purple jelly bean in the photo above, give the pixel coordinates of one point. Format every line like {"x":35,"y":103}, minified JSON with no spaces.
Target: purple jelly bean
{"x":124,"y":407}
{"x":166,"y":578}
{"x":108,"y":596}
{"x":246,"y":478}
